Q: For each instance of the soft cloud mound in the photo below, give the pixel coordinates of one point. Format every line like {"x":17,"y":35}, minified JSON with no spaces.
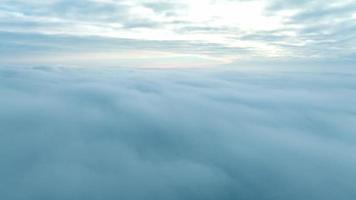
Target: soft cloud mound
{"x":169,"y":134}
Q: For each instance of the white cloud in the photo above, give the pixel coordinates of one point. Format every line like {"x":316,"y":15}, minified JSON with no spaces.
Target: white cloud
{"x":300,"y":29}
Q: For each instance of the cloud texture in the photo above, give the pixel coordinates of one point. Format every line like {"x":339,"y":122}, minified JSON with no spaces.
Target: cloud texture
{"x":220,"y":31}
{"x":177,"y":134}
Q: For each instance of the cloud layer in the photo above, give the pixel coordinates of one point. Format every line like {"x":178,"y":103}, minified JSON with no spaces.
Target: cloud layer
{"x":285,"y":133}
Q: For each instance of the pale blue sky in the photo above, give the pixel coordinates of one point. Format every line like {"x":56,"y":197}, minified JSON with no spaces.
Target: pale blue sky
{"x":185,"y":33}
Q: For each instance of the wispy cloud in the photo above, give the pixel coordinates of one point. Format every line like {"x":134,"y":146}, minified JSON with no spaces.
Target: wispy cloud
{"x":266,"y":29}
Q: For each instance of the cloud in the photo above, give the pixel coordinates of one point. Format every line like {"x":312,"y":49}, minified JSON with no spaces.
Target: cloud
{"x":276,"y":5}
{"x":42,"y":49}
{"x":267,"y":29}
{"x":166,"y":8}
{"x":281,"y":133}
{"x":220,"y":30}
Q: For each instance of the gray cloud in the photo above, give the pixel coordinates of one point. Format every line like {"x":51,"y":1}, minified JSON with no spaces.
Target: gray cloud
{"x":22,"y":45}
{"x":276,"y":5}
{"x":166,"y":8}
{"x":322,"y":27}
{"x":83,"y":12}
{"x":281,"y":133}
{"x":324,"y":11}
{"x":81,"y":9}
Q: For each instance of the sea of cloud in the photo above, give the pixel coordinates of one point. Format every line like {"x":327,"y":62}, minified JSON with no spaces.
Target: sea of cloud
{"x":129,"y":134}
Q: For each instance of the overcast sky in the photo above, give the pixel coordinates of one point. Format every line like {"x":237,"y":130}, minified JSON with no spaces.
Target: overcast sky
{"x":172,"y":33}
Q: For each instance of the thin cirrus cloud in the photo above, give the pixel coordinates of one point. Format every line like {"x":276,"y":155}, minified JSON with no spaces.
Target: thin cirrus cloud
{"x":204,"y":31}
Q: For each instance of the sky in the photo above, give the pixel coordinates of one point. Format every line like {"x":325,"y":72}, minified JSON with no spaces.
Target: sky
{"x":258,"y":102}
{"x":184,"y":33}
